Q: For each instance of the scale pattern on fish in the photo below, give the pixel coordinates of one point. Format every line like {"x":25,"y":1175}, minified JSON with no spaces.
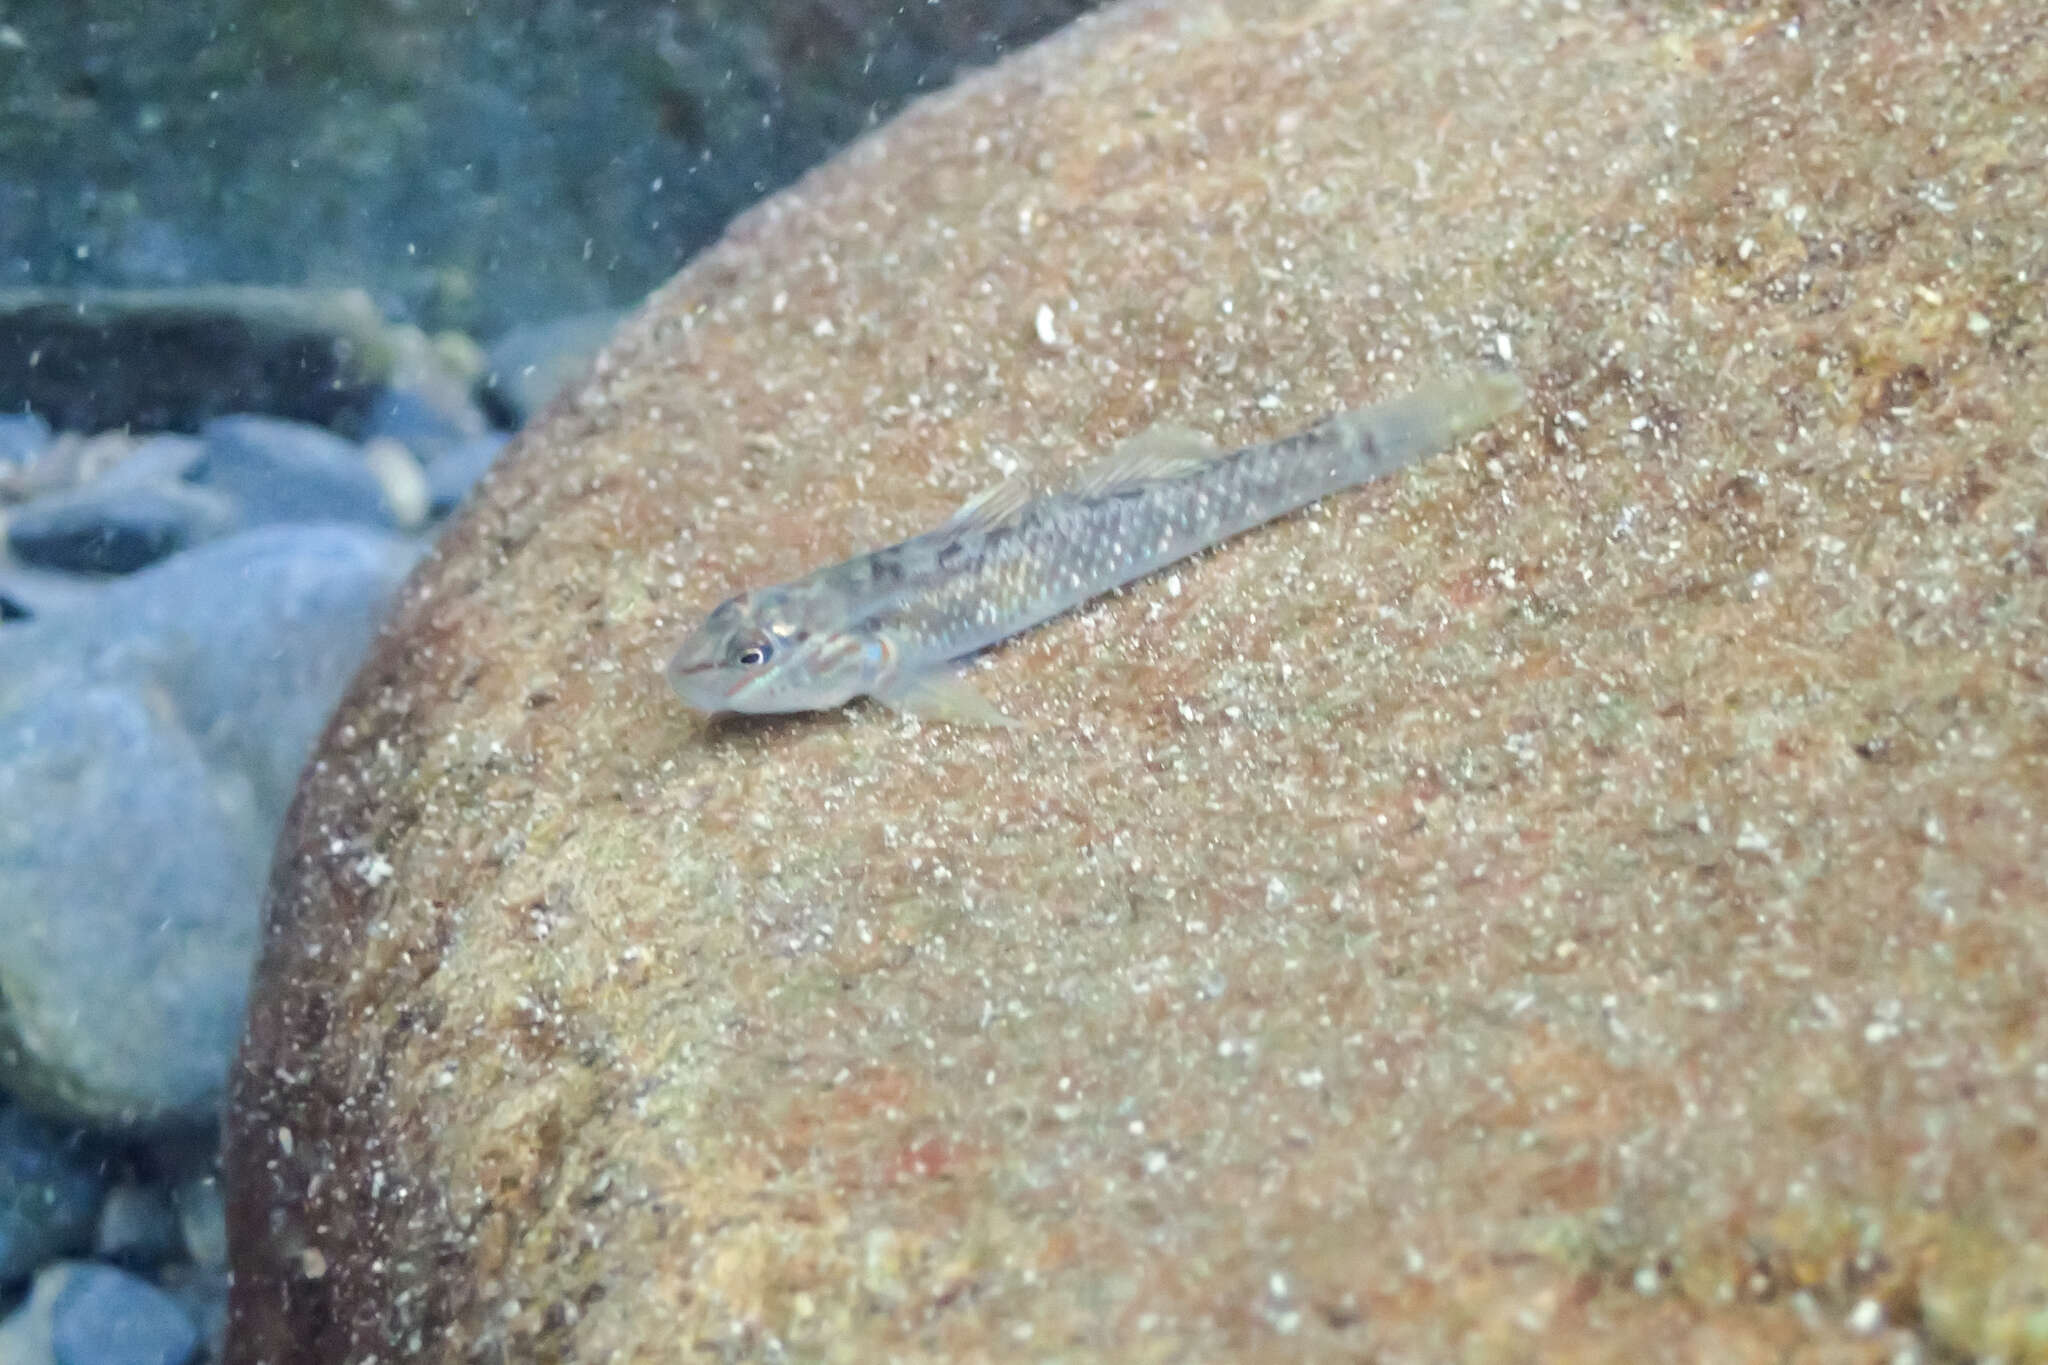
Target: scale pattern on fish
{"x":889,"y":624}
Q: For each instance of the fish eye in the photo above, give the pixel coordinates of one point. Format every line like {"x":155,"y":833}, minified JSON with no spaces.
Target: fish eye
{"x":754,"y":655}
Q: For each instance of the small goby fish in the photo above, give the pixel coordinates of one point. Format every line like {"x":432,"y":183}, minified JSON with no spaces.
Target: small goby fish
{"x":889,"y":624}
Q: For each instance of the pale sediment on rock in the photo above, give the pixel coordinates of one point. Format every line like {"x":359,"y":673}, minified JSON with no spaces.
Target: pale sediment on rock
{"x":1582,"y":896}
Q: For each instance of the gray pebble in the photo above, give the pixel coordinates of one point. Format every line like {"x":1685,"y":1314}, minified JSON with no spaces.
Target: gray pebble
{"x":420,"y":422}
{"x":80,"y":1313}
{"x":50,"y":1188}
{"x":157,"y":459}
{"x":149,"y":742}
{"x":203,"y":1294}
{"x":126,"y":869}
{"x":455,"y":471}
{"x":118,"y":529}
{"x":29,"y":594}
{"x":535,"y":361}
{"x":280,"y":471}
{"x":250,"y":639}
{"x":23,"y":436}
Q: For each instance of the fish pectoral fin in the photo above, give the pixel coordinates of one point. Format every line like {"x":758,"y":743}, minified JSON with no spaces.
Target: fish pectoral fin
{"x":991,"y":507}
{"x":942,"y":696}
{"x":1160,"y":452}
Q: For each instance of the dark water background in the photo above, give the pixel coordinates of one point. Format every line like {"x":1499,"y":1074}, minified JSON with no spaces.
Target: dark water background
{"x":472,"y":164}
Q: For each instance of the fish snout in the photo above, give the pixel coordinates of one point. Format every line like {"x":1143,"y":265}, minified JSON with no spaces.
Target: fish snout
{"x":692,"y":677}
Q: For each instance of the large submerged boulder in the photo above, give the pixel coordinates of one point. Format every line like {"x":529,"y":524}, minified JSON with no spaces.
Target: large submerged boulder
{"x":1580,"y":898}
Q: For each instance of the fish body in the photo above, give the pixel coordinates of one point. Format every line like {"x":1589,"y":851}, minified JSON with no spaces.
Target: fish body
{"x":889,"y":624}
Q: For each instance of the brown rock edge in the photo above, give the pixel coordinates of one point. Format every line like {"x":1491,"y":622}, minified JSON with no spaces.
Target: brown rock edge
{"x":1582,"y":899}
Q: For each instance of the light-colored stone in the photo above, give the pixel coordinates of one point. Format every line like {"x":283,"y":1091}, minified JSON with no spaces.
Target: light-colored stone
{"x":1655,"y":784}
{"x":150,"y":740}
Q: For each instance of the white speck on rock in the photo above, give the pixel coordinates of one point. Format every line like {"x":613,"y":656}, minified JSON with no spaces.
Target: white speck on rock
{"x":1047,"y":326}
{"x":1752,"y":840}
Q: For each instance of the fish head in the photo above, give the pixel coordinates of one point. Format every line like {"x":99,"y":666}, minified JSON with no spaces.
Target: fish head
{"x":763,"y":652}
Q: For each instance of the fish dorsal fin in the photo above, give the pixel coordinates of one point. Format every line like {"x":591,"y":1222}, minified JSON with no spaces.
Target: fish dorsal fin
{"x":1161,"y":452}
{"x":991,"y":507}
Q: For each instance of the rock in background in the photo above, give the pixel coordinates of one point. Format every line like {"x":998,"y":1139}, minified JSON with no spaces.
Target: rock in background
{"x":148,"y":745}
{"x":91,"y":360}
{"x":83,"y":1313}
{"x":1581,"y":899}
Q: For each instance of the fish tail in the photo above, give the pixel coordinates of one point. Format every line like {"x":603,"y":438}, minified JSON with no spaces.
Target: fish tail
{"x":1478,"y":402}
{"x":1438,"y":415}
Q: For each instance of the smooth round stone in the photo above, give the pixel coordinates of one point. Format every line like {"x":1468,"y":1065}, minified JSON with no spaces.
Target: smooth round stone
{"x":455,"y":471}
{"x":23,"y":436}
{"x":531,"y":363}
{"x":202,"y":1291}
{"x":282,"y":471}
{"x":127,"y":876}
{"x":164,"y":456}
{"x":148,"y":744}
{"x":103,"y":359}
{"x":1486,"y":915}
{"x":30,"y":594}
{"x":50,"y":1189}
{"x":116,"y":529}
{"x":424,"y":423}
{"x":83,"y":1313}
{"x":249,"y":638}
{"x":97,"y":1314}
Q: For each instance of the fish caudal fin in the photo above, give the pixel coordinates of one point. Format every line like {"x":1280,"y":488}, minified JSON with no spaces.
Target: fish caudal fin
{"x":1400,"y":431}
{"x":1470,"y":405}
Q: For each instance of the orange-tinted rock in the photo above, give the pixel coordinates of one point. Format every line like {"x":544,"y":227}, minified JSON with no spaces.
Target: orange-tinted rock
{"x":1583,"y":898}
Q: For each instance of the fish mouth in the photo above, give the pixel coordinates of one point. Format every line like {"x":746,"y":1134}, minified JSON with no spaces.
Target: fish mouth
{"x":696,"y":683}
{"x":701,"y":699}
{"x":687,"y":681}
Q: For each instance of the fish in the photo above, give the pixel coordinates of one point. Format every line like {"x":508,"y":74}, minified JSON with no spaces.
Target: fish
{"x":891,"y":624}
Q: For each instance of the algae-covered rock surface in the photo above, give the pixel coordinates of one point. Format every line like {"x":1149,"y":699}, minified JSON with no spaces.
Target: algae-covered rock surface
{"x":1581,"y":898}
